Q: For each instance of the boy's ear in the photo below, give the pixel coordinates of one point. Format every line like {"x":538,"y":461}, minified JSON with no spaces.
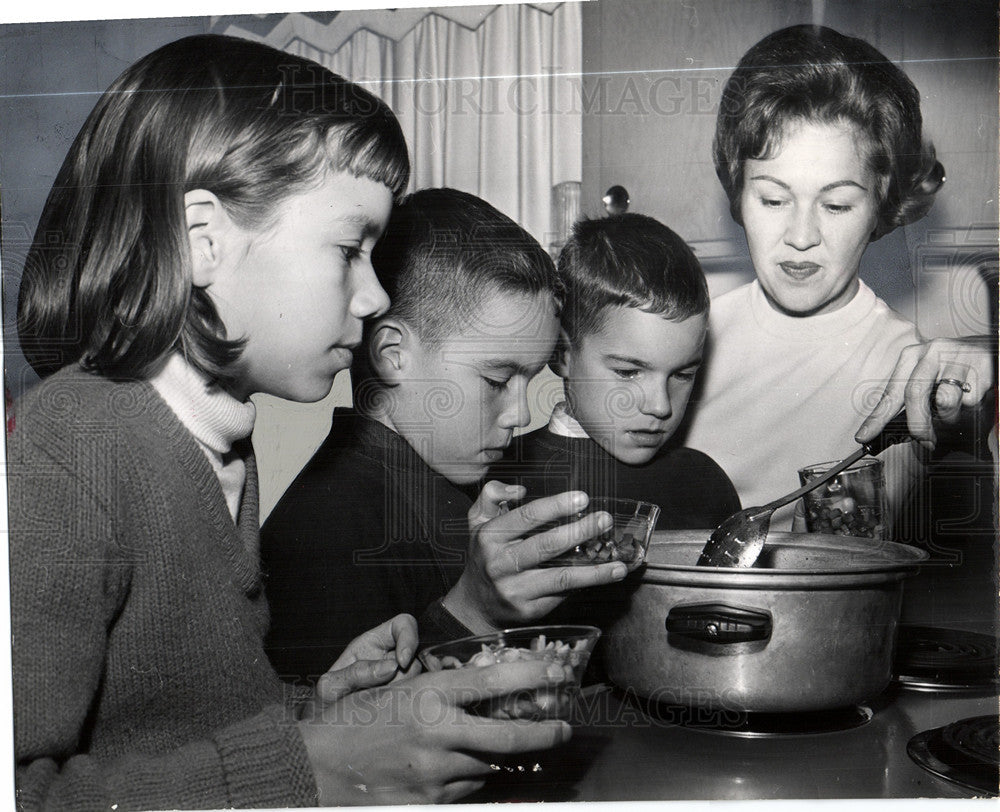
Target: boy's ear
{"x":388,"y":349}
{"x":560,"y":362}
{"x":208,"y":225}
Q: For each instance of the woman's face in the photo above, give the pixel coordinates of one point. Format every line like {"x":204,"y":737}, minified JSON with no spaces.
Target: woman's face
{"x":808,"y":213}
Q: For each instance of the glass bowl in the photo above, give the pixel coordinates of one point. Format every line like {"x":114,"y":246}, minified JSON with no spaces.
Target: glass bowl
{"x":627,"y":539}
{"x":571,"y":646}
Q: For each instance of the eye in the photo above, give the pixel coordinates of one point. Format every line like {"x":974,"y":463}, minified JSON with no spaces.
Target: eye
{"x":627,"y":373}
{"x":837,"y":208}
{"x":772,"y":202}
{"x":686,"y":375}
{"x":496,"y":385}
{"x":350,"y":252}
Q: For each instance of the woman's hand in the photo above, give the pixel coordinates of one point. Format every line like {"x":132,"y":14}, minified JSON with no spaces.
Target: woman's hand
{"x":934,"y":381}
{"x":380,"y":655}
{"x":502,"y":582}
{"x":413,"y":742}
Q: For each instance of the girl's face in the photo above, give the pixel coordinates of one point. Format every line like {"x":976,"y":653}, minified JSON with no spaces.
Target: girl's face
{"x":809,"y":213}
{"x":302,"y":286}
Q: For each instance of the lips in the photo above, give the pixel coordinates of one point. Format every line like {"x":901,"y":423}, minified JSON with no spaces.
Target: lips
{"x":646,"y":438}
{"x":799,"y":271}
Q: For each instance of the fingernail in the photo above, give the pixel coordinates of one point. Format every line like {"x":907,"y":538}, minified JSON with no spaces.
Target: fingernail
{"x":512,"y":489}
{"x":605,"y":521}
{"x":404,"y":655}
{"x":555,"y":673}
{"x":619,"y":571}
{"x":579,"y":499}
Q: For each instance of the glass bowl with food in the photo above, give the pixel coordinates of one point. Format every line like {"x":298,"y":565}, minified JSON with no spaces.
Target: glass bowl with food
{"x":626,"y":540}
{"x":569,"y":646}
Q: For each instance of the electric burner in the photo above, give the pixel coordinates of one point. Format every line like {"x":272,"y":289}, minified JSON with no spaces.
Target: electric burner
{"x":966,"y":752}
{"x":932,"y":659}
{"x":745,"y":724}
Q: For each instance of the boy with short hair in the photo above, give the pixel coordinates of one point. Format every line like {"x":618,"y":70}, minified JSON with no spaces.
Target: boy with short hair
{"x":632,"y":335}
{"x":377,"y":523}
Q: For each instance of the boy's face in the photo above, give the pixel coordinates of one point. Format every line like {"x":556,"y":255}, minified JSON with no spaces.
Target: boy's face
{"x":629,"y":383}
{"x":302,"y":286}
{"x":462,"y":397}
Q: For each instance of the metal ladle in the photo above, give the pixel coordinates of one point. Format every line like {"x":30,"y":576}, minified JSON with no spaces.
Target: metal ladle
{"x":738,"y":541}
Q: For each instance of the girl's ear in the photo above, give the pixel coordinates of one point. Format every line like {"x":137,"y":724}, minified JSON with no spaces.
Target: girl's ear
{"x":560,"y":355}
{"x":389,"y":346}
{"x":209,"y":226}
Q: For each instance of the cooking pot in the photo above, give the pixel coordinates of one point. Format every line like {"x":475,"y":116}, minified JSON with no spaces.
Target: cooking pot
{"x":811,"y":627}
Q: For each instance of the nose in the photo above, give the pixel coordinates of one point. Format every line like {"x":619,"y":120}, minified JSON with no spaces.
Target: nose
{"x":802,"y":231}
{"x":656,"y":401}
{"x":369,"y":298}
{"x":516,"y":413}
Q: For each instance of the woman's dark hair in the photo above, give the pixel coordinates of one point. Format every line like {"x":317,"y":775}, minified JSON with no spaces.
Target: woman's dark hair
{"x":628,"y":260}
{"x":812,"y":73}
{"x":107,"y":281}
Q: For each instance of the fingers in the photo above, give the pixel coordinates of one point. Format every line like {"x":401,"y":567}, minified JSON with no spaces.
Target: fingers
{"x":508,"y":737}
{"x":337,"y":683}
{"x":403,"y":629}
{"x":491,"y":501}
{"x":521,"y":521}
{"x":893,"y":397}
{"x":560,"y":580}
{"x":530,"y":552}
{"x":465,"y":686}
{"x":459,"y":789}
{"x":950,"y":393}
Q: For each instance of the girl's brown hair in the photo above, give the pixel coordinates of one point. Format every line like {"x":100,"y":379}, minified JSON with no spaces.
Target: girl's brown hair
{"x":107,"y":282}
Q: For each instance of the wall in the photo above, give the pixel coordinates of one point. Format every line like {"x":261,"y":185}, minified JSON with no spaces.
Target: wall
{"x":50,"y":77}
{"x":654,"y":75}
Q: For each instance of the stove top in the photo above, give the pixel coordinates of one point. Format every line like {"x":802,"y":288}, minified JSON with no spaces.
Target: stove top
{"x":966,"y":753}
{"x":935,"y":659}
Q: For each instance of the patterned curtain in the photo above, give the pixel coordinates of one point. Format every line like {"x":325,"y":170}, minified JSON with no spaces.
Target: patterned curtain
{"x":488,"y":96}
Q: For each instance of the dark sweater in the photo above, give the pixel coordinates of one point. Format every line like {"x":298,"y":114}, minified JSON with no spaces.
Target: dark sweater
{"x":691,"y":490}
{"x":367,"y":530}
{"x":137,"y":614}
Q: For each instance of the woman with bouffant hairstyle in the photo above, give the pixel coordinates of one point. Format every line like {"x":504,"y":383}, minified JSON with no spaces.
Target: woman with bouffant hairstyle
{"x":819,"y":147}
{"x":804,"y":73}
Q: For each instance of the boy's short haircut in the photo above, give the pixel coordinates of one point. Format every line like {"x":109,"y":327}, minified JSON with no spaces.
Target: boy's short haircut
{"x":630,"y":260}
{"x":444,"y":251}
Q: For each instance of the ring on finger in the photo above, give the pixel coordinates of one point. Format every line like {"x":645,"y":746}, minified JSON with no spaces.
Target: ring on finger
{"x":965,"y":386}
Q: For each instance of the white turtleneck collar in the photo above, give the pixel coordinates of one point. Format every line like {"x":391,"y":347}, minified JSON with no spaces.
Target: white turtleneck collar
{"x":563,"y":424}
{"x":214,"y":417}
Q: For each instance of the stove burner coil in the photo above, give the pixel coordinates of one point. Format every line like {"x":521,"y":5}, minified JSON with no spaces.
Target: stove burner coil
{"x":933,"y":659}
{"x":966,"y":752}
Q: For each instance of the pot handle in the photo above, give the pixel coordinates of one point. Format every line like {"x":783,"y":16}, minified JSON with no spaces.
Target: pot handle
{"x":718,"y":623}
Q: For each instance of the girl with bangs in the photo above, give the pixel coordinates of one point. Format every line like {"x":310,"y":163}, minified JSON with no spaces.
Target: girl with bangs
{"x":209,"y":236}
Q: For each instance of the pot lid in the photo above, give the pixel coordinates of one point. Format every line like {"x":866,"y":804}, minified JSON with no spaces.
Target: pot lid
{"x":789,"y":560}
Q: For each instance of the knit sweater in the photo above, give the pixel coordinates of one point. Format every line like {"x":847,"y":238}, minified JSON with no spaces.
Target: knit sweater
{"x":138,"y":614}
{"x":778,"y":392}
{"x":367,"y":530}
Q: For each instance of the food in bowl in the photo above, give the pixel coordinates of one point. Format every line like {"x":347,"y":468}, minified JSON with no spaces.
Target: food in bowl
{"x":853,"y":503}
{"x":570,"y":646}
{"x":626,"y":540}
